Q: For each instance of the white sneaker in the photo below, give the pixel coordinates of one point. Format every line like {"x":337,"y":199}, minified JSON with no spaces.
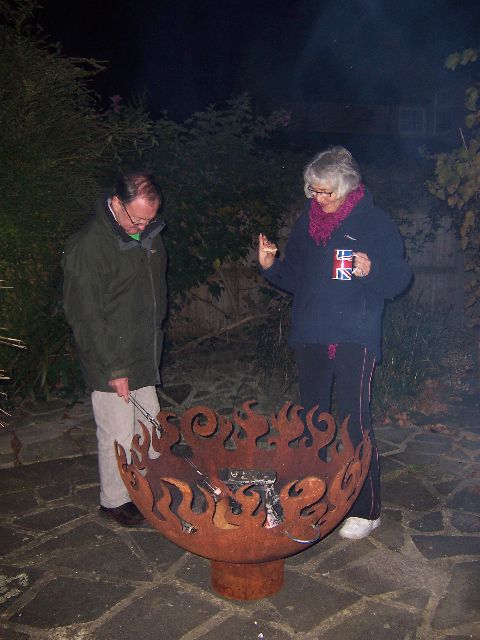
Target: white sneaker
{"x":358,"y":528}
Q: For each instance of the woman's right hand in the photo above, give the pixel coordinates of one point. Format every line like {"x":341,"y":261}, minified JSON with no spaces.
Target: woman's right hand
{"x":266,"y":251}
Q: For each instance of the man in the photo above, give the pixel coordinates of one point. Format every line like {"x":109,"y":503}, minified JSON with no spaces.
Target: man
{"x":115,"y":299}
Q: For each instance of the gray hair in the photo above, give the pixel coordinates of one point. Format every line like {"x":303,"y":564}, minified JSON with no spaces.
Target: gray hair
{"x":336,"y":167}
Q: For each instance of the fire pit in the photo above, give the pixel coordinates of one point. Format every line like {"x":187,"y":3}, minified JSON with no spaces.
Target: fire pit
{"x":247,"y":492}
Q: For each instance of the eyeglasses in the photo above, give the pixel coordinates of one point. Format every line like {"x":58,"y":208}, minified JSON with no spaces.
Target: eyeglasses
{"x":137,"y":223}
{"x":322,"y":194}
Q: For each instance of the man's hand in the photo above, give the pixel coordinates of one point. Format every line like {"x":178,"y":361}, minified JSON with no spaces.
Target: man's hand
{"x":120,"y":385}
{"x":266,"y":251}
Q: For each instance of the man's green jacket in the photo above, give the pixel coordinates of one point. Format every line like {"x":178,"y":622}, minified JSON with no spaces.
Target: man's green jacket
{"x":115,"y":299}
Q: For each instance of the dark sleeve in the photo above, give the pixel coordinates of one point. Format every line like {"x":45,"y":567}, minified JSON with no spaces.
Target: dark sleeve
{"x":83,"y":302}
{"x":285,"y":273}
{"x":390,"y":272}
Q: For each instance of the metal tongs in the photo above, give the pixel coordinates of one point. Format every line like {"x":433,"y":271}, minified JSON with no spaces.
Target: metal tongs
{"x":204,"y":478}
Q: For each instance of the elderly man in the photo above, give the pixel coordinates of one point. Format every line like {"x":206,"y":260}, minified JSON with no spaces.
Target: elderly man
{"x":115,"y":299}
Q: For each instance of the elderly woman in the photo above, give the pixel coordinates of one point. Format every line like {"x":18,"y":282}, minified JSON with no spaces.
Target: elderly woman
{"x":343,"y":259}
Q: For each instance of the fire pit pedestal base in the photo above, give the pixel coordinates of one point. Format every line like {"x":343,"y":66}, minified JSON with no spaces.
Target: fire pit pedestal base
{"x":247,"y":581}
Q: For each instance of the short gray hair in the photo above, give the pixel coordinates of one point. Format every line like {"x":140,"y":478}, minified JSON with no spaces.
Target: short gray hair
{"x":336,"y":167}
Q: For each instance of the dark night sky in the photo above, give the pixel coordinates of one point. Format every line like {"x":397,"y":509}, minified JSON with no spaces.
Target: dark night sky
{"x":185,"y":54}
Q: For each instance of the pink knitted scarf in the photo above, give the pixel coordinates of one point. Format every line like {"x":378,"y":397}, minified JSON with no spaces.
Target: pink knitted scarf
{"x":323,"y":224}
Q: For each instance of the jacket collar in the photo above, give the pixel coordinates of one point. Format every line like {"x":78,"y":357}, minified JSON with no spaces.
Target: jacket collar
{"x":125,"y":242}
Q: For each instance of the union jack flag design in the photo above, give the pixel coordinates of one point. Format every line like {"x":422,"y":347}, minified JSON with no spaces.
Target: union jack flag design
{"x":344,"y":254}
{"x":342,"y":264}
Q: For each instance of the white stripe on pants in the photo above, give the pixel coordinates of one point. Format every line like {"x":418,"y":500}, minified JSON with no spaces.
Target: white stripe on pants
{"x":118,"y":420}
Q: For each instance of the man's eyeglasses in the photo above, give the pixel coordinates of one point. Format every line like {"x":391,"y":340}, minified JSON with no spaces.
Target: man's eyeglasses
{"x":137,"y":223}
{"x":322,"y":194}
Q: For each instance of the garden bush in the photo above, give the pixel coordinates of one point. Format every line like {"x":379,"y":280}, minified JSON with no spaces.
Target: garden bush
{"x":59,"y":151}
{"x":54,"y":149}
{"x":415,"y":339}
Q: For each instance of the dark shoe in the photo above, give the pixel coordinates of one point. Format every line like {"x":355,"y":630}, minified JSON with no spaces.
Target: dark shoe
{"x":126,"y":514}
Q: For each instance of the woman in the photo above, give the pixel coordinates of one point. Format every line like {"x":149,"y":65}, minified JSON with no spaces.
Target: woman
{"x":344,"y":257}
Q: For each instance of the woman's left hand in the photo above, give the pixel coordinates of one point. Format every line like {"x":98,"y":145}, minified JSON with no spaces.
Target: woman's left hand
{"x":362,"y":265}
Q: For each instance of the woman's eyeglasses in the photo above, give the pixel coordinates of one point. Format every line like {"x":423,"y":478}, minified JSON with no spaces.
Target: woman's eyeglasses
{"x":321,"y":194}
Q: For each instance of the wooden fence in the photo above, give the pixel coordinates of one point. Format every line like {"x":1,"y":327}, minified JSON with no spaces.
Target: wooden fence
{"x":437,"y":285}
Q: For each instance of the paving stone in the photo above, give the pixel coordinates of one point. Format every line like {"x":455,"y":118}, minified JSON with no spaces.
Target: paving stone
{"x":377,"y":622}
{"x":392,"y":433}
{"x":195,"y":570}
{"x":414,"y":597}
{"x":66,"y":601}
{"x":461,"y":604}
{"x":88,"y":497}
{"x":466,"y":522}
{"x":434,"y":438}
{"x":383,"y":571}
{"x":432,"y":446}
{"x":84,"y":535}
{"x":317,"y":550}
{"x":11,"y":540}
{"x":428,"y":522}
{"x":349,"y":553}
{"x":111,"y":554}
{"x":468,"y":499}
{"x":54,"y":491}
{"x":389,"y":467}
{"x":306,"y":602}
{"x":447,"y":487}
{"x":110,"y":560}
{"x":473,"y":445}
{"x":80,"y":469}
{"x":48,"y":408}
{"x":409,"y":492}
{"x":385,"y":447}
{"x":177,"y":392}
{"x":164,"y":612}
{"x":53,"y":448}
{"x":14,"y":581}
{"x":446,"y":546}
{"x":7,"y":460}
{"x":469,"y":637}
{"x":458,"y":454}
{"x":240,"y":628}
{"x":412,"y":457}
{"x":18,"y":502}
{"x":49,"y":518}
{"x":391,"y":532}
{"x":160,"y":552}
{"x":10,"y":634}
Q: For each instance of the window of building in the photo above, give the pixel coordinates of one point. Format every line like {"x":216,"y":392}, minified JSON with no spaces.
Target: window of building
{"x":411,"y":121}
{"x":443,"y":112}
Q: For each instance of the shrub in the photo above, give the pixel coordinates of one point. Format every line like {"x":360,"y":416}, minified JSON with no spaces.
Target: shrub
{"x":54,"y":149}
{"x":414,"y":342}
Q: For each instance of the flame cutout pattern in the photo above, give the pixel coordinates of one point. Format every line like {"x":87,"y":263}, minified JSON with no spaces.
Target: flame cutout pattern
{"x":280,"y":458}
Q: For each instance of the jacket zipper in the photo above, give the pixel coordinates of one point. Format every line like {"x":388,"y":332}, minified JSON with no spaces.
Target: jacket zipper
{"x":154,"y":320}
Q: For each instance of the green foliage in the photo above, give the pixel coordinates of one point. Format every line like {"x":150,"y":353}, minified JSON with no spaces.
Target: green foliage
{"x":274,"y":360}
{"x":414,"y":341}
{"x":457,"y":181}
{"x":59,"y":151}
{"x":55,"y":147}
{"x":222,"y":188}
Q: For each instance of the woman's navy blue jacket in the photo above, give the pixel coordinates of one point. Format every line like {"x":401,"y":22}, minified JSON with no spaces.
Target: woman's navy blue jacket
{"x":327,"y":311}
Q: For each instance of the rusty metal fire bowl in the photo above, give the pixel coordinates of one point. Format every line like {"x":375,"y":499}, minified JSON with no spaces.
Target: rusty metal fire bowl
{"x":247,"y":492}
